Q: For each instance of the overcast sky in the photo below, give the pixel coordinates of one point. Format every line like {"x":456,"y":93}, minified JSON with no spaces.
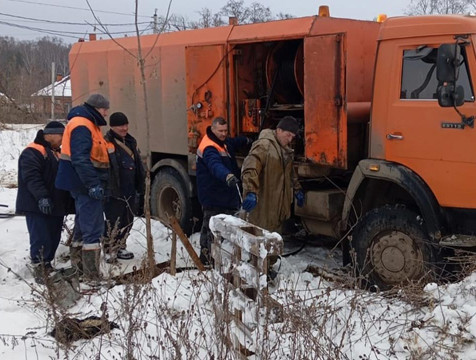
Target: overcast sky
{"x":44,"y":16}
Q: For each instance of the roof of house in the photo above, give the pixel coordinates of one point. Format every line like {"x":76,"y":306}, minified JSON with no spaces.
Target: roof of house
{"x":61,"y":88}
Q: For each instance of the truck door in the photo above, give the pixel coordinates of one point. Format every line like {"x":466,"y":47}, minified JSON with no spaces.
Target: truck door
{"x":325,"y":100}
{"x":206,"y":86}
{"x":428,"y":138}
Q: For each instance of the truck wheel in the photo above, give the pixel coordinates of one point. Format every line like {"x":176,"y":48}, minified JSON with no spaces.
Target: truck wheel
{"x":392,"y":247}
{"x":170,"y":197}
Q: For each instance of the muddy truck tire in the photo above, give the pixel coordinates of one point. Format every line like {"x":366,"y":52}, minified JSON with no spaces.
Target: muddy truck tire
{"x":392,"y":248}
{"x":169,"y":196}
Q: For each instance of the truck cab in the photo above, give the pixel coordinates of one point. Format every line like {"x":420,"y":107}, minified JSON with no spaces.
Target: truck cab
{"x":415,"y":193}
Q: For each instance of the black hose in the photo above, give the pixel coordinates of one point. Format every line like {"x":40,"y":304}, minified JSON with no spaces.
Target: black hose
{"x":294,"y":252}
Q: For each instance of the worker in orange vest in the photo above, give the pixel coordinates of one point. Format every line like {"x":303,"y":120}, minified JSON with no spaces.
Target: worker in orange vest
{"x":83,"y":170}
{"x":43,"y":205}
{"x":217,"y":178}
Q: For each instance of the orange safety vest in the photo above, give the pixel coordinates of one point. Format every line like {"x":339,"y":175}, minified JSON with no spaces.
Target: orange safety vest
{"x":100,"y":149}
{"x":38,"y":147}
{"x":42,"y":150}
{"x":206,"y":142}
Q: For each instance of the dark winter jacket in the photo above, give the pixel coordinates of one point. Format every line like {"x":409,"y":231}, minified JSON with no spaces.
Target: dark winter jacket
{"x":212,"y":170}
{"x":36,"y":180}
{"x":79,"y":174}
{"x":126,"y":173}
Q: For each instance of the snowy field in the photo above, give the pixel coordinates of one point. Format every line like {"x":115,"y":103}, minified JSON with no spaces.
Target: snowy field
{"x":175,"y":317}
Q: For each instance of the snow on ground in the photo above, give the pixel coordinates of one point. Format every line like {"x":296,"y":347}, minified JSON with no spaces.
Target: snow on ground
{"x":12,"y":142}
{"x":178,"y":316}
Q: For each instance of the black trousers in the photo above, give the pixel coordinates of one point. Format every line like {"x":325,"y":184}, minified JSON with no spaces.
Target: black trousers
{"x":119,"y":220}
{"x":206,"y":236}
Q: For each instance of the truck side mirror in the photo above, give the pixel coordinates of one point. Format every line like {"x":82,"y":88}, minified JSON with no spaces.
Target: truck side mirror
{"x":448,"y":96}
{"x":447,"y":63}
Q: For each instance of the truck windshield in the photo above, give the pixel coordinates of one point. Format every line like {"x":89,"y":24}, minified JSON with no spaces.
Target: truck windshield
{"x":419,"y":74}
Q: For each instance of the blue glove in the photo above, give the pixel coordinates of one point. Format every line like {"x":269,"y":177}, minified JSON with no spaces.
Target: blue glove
{"x":299,"y":195}
{"x":45,"y":205}
{"x":250,"y":202}
{"x":96,"y":192}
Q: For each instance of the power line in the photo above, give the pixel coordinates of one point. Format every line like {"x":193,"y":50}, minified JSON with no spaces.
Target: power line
{"x":76,"y":8}
{"x":50,"y":32}
{"x":62,"y":32}
{"x":68,"y":23}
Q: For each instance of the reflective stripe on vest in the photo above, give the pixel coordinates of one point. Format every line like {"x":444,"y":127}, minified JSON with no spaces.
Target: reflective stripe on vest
{"x":99,"y":150}
{"x":206,"y":142}
{"x":110,"y":147}
{"x":38,"y":147}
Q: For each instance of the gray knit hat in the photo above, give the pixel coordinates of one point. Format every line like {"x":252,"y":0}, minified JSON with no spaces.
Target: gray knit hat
{"x":98,"y":101}
{"x":54,"y":127}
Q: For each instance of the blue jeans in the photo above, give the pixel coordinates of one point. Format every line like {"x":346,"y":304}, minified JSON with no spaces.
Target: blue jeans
{"x":89,"y":221}
{"x":45,"y":235}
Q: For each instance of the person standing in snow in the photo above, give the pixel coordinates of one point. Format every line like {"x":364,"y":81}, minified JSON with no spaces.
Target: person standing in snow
{"x":269,"y":179}
{"x":43,"y":205}
{"x":83,"y":170}
{"x":217,"y":178}
{"x":125,"y":188}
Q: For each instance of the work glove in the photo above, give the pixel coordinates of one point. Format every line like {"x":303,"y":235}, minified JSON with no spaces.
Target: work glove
{"x":45,"y":205}
{"x":250,"y":202}
{"x":232,"y":180}
{"x":96,"y":192}
{"x":299,"y":195}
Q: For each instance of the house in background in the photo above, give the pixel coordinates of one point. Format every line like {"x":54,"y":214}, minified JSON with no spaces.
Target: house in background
{"x":41,"y":100}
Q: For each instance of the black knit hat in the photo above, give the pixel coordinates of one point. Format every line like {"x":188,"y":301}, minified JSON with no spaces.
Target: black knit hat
{"x":98,"y":101}
{"x":288,"y":123}
{"x":118,"y":119}
{"x":54,"y":127}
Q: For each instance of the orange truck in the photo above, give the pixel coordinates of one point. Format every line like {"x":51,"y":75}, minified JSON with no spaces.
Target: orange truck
{"x":385,"y":147}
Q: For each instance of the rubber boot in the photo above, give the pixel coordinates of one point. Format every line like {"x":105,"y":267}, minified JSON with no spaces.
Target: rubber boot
{"x":91,"y":265}
{"x":75,"y":254}
{"x":41,"y":272}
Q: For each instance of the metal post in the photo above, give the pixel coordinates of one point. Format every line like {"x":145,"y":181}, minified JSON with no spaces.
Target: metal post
{"x":156,"y":27}
{"x":53,"y":78}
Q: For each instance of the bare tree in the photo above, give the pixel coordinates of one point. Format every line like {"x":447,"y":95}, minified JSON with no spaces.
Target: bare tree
{"x":217,"y":20}
{"x":176,"y":23}
{"x":207,"y":19}
{"x":26,"y":68}
{"x":259,"y":13}
{"x":255,"y":13}
{"x":141,"y":61}
{"x":237,"y":9}
{"x":430,"y":7}
{"x":472,"y":5}
{"x":284,"y":16}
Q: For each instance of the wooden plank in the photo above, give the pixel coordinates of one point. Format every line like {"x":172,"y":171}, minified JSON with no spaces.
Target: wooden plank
{"x":249,"y":237}
{"x":173,"y":255}
{"x":186,"y":243}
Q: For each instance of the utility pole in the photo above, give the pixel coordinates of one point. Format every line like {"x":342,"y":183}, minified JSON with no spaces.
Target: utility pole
{"x":156,"y":25}
{"x":53,"y":78}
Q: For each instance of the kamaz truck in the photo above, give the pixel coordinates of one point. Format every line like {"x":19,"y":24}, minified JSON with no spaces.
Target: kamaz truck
{"x":387,"y":147}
